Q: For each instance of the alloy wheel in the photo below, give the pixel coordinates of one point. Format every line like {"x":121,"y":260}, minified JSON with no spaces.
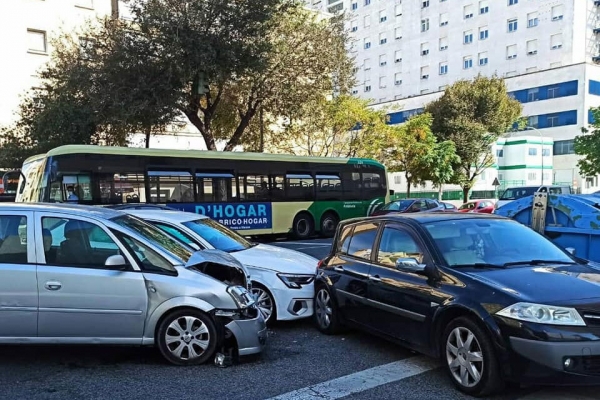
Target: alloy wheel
{"x":264,"y":302}
{"x":465,"y":357}
{"x":323,"y":309}
{"x":187,"y":337}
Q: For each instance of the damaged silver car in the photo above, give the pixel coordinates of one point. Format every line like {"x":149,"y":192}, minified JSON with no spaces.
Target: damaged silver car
{"x":90,"y":275}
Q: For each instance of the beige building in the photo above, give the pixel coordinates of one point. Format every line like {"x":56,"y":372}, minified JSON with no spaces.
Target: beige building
{"x":27,"y":28}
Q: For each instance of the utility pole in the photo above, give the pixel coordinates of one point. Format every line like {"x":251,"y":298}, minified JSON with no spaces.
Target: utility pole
{"x":114,"y":5}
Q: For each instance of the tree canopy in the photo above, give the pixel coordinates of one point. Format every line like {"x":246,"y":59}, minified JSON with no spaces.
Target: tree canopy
{"x":473,"y":114}
{"x":588,"y":146}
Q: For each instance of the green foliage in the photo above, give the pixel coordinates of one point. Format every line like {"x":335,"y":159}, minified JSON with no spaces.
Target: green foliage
{"x":473,"y":115}
{"x":588,"y":146}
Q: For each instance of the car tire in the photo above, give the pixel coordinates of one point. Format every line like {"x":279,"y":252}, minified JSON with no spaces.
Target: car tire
{"x":325,"y":312}
{"x":304,"y":226}
{"x":265,"y":303}
{"x":192,"y":337}
{"x":469,"y":358}
{"x":329,"y":223}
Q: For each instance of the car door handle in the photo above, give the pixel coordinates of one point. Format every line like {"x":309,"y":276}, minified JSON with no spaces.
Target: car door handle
{"x":338,"y":269}
{"x":53,"y":285}
{"x":375,"y":278}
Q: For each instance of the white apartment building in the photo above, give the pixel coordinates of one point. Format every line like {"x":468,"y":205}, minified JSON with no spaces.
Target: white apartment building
{"x":407,"y":52}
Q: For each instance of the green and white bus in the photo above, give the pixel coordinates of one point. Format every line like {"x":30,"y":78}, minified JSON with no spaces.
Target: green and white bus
{"x":254,"y":194}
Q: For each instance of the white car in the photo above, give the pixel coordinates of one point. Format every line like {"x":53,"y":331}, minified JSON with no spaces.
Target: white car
{"x":282,"y":279}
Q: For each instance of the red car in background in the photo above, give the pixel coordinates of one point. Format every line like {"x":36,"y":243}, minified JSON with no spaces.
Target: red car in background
{"x":478,"y":206}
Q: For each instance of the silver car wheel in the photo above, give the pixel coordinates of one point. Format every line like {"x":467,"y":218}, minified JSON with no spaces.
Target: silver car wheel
{"x":264,"y":302}
{"x":464,"y":357}
{"x":323,"y":309}
{"x":187,"y":337}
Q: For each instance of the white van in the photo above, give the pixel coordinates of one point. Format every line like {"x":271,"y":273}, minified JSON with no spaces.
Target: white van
{"x":514,"y":193}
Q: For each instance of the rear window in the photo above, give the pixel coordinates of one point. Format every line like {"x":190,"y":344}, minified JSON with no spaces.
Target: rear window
{"x":363,"y":239}
{"x":518,"y":193}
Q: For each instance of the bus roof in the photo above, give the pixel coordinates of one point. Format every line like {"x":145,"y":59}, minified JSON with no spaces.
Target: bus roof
{"x":136,"y":151}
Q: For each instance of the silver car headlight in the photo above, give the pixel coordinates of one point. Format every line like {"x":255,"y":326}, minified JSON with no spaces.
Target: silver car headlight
{"x":240,"y":296}
{"x":296,"y":281}
{"x":543,"y":314}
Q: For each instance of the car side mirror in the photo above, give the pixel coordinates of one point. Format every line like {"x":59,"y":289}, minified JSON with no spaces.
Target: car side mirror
{"x":410,"y":264}
{"x":116,"y":262}
{"x":570,"y":250}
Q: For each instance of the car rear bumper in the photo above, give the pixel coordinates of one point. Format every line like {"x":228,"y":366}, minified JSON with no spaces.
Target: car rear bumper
{"x":250,"y":334}
{"x":555,"y":363}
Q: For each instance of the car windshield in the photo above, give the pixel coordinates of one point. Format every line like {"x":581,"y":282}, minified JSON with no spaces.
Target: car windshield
{"x":219,"y":236}
{"x":517,"y":193}
{"x":468,"y":206}
{"x":154,"y":235}
{"x":492,"y":242}
{"x":398,"y":205}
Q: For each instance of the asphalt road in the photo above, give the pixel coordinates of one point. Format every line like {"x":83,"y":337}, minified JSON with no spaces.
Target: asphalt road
{"x":299,"y":363}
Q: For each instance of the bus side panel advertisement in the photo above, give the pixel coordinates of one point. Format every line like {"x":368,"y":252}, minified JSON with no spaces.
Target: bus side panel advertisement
{"x":239,"y":216}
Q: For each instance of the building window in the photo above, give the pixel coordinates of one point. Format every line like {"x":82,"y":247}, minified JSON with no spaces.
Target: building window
{"x":382,"y":38}
{"x":483,"y":58}
{"x":467,"y":37}
{"x":444,"y":19}
{"x":382,"y":82}
{"x":367,"y":64}
{"x":425,"y":25}
{"x":398,"y":79}
{"x":467,"y":62}
{"x":532,"y":176}
{"x":483,"y":33}
{"x":484,"y":7}
{"x":382,"y":16}
{"x":557,"y":12}
{"x":367,"y":88}
{"x":553,"y":92}
{"x":532,"y":121}
{"x":443,"y":43}
{"x":545,"y":152}
{"x":355,"y":91}
{"x":511,"y":51}
{"x":424,"y":72}
{"x":552,"y":121}
{"x":468,"y":11}
{"x":398,"y":33}
{"x":533,"y":94}
{"x":36,"y":41}
{"x":367,"y":2}
{"x":532,"y":151}
{"x":443,"y":68}
{"x":532,"y":19}
{"x":500,"y":153}
{"x":425,"y":4}
{"x":532,"y":47}
{"x":512,"y":25}
{"x":424,"y":49}
{"x":398,"y":10}
{"x":398,"y":179}
{"x":562,"y":147}
{"x":382,"y":60}
{"x":513,"y":2}
{"x":367,"y":20}
{"x":556,"y":41}
{"x":367,"y":43}
{"x":354,"y":6}
{"x":398,"y":56}
{"x":354,"y":25}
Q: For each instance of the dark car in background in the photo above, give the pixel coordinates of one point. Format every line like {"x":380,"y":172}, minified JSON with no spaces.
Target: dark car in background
{"x":410,"y":206}
{"x":459,"y":287}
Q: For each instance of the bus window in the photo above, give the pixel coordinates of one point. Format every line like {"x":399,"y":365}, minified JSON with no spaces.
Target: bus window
{"x":122,"y":188}
{"x":329,"y":187}
{"x":277,"y":187}
{"x":74,"y":188}
{"x":351,"y":185}
{"x":171,"y":187}
{"x":373,"y":185}
{"x":215,"y":187}
{"x":300,"y":187}
{"x":254,"y":187}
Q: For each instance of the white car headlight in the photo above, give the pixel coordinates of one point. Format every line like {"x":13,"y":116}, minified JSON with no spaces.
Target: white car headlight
{"x":543,"y":314}
{"x":296,"y":281}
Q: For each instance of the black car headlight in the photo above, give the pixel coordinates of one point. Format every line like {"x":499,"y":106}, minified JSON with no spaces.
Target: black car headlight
{"x":296,"y":281}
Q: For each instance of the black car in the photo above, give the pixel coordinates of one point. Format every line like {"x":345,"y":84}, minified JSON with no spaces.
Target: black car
{"x":490,"y":297}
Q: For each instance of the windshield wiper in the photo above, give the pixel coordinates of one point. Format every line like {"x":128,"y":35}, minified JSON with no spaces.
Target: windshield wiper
{"x":539,"y":262}
{"x":478,"y":266}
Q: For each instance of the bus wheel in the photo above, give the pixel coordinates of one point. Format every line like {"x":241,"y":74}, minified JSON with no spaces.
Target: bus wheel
{"x":329,"y":223}
{"x":304,"y":226}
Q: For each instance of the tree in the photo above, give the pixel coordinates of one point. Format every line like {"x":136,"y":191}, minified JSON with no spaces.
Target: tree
{"x":412,"y":146}
{"x":588,"y":146}
{"x":473,"y":115}
{"x":441,"y":161}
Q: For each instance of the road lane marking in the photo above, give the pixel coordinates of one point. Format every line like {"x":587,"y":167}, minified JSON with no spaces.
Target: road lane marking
{"x":363,"y":380}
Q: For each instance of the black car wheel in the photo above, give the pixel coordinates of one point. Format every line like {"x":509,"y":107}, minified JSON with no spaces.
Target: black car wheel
{"x":469,"y":357}
{"x":187,"y":337}
{"x":325,"y":313}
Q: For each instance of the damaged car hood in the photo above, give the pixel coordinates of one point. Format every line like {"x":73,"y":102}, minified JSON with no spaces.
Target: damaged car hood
{"x":219,"y":265}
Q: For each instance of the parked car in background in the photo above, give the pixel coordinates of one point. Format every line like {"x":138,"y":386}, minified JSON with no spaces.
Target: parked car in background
{"x":514,"y":193}
{"x":410,"y":206}
{"x":491,"y":298}
{"x":282,"y":279}
{"x":478,"y":206}
{"x":91,"y":275}
{"x":449,"y":207}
